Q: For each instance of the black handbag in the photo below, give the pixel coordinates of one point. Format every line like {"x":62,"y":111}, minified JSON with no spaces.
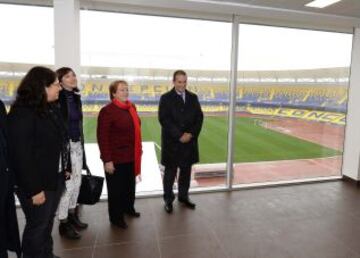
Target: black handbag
{"x":91,"y":188}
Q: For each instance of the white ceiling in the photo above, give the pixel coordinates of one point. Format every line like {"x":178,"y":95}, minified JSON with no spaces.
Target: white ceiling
{"x":349,"y":8}
{"x":342,"y":16}
{"x":346,"y":8}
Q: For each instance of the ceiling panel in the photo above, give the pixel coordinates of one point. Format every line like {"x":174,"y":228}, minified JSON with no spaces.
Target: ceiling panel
{"x":349,"y":8}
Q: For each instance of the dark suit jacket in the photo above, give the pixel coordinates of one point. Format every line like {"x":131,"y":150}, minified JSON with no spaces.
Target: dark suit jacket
{"x":35,"y":145}
{"x":177,"y":117}
{"x":9,"y":231}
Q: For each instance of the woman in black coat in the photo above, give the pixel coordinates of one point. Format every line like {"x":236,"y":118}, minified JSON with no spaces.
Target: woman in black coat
{"x":9,"y":233}
{"x":39,"y":154}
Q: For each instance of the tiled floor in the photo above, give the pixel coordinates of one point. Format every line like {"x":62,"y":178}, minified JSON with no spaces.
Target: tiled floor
{"x":314,"y":221}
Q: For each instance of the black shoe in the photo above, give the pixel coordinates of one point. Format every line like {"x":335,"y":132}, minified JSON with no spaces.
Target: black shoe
{"x":168,"y":207}
{"x":75,"y":221}
{"x":55,"y":256}
{"x":188,"y":203}
{"x":120,"y":224}
{"x":67,"y":230}
{"x":133,"y":213}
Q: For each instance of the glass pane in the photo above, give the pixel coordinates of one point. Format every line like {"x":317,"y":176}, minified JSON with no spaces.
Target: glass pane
{"x":291,"y":103}
{"x":145,"y":51}
{"x":27,"y":39}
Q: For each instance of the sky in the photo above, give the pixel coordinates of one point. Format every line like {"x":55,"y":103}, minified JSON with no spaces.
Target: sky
{"x":124,"y":40}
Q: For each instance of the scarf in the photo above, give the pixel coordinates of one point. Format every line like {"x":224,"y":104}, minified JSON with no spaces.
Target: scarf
{"x":127,"y":105}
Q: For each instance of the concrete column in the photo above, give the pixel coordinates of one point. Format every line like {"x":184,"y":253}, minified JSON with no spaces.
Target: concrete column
{"x":67,"y":34}
{"x":351,"y":162}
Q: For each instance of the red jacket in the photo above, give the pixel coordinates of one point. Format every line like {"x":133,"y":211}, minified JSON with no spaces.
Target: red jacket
{"x":115,"y":135}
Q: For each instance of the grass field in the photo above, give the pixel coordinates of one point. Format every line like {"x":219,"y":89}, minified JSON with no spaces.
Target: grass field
{"x":252,"y":142}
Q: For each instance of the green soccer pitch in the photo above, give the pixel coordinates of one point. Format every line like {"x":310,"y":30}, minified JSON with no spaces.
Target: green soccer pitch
{"x":252,"y":141}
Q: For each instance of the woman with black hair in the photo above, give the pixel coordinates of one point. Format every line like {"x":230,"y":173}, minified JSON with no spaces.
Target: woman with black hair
{"x":71,"y":109}
{"x":38,"y":150}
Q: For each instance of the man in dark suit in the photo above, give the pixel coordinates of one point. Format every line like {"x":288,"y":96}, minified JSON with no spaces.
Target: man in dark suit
{"x":9,"y":232}
{"x":181,"y":119}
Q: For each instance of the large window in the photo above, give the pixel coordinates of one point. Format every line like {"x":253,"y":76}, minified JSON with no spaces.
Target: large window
{"x":145,"y":51}
{"x":291,"y":94}
{"x":291,"y":103}
{"x":27,"y":39}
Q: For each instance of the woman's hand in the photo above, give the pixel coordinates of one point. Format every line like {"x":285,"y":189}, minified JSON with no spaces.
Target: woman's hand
{"x":67,"y":175}
{"x":138,"y":179}
{"x":39,"y":199}
{"x":109,"y":167}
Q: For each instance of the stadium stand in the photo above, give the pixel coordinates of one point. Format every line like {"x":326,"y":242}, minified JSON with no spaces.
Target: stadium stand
{"x":331,"y":98}
{"x":311,"y":90}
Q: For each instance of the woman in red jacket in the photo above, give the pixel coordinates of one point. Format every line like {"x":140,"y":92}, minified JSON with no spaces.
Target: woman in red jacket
{"x":119,"y":139}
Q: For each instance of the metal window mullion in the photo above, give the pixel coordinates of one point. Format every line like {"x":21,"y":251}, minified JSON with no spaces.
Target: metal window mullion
{"x":232,"y":104}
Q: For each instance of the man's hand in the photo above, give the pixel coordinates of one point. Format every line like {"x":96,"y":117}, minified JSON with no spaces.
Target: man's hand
{"x":39,"y":199}
{"x":186,"y":137}
{"x":109,"y":167}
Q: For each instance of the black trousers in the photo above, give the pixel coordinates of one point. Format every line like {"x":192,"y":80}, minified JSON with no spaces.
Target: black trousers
{"x":37,"y":241}
{"x":3,"y":207}
{"x":9,"y":230}
{"x":121,"y":190}
{"x":183,"y":183}
{"x":3,"y":254}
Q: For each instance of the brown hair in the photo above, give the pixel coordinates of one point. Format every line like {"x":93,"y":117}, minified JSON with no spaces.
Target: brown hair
{"x":178,"y":72}
{"x":61,"y":72}
{"x":114,"y":86}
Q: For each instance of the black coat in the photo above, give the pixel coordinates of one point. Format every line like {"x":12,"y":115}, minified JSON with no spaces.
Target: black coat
{"x":35,"y":144}
{"x":176,"y":118}
{"x":64,"y":107}
{"x":9,"y":230}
